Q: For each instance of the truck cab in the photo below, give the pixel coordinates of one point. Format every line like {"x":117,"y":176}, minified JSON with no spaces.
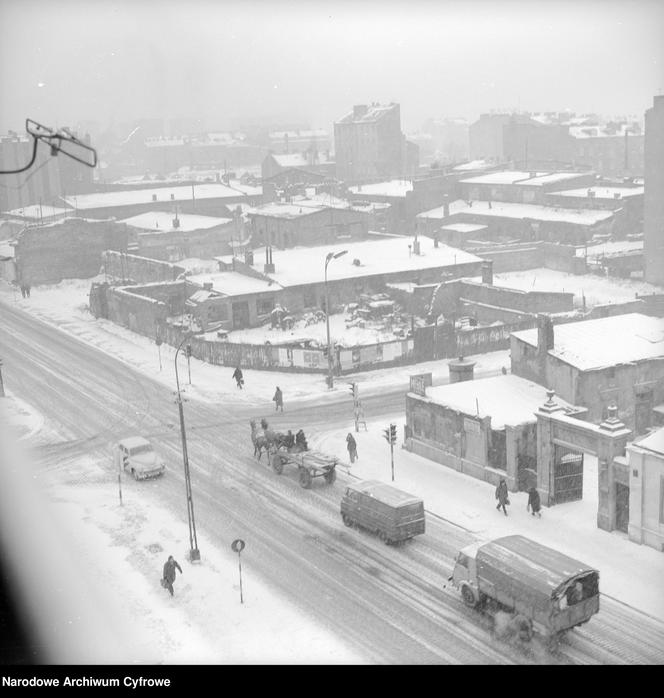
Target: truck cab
{"x":464,"y":576}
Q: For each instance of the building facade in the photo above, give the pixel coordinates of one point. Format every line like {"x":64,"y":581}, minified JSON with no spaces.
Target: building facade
{"x":645,"y":458}
{"x":369,"y":144}
{"x":598,"y":363}
{"x":653,"y":215}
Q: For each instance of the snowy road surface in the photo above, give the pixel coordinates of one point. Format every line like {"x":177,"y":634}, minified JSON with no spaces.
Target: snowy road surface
{"x":388,"y":605}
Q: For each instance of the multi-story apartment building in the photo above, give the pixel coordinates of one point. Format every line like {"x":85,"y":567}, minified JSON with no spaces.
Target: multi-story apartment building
{"x":369,"y":145}
{"x":653,"y":215}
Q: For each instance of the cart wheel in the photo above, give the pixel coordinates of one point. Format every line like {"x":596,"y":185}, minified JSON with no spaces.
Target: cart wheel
{"x":277,"y":464}
{"x":305,"y":478}
{"x":330,"y":476}
{"x":346,"y":519}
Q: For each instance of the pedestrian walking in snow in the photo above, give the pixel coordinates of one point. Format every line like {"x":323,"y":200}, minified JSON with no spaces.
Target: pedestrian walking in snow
{"x":352,"y":447}
{"x":534,"y":502}
{"x":502,"y":495}
{"x":278,"y":399}
{"x":239,"y":379}
{"x":169,"y":573}
{"x":27,"y":290}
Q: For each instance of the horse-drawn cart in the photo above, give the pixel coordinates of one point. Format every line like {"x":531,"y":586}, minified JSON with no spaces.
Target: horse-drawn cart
{"x":310,"y":464}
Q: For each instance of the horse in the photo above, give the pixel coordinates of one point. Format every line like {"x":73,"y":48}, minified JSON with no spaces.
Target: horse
{"x":260,"y":441}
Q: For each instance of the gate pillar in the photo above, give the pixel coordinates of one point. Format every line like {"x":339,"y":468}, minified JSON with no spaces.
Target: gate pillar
{"x":611,"y":441}
{"x":546,"y":447}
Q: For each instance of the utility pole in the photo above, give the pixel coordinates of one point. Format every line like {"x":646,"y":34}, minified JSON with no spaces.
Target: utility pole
{"x":330,"y":359}
{"x":194,"y":553}
{"x":390,"y":435}
{"x":2,"y":385}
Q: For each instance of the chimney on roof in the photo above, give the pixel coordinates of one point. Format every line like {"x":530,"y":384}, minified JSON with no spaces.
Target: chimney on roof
{"x":359,"y":110}
{"x":487,"y":272}
{"x":268,"y":267}
{"x":544,"y":334}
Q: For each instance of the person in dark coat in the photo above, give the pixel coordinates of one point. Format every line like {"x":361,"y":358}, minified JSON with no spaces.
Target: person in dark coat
{"x":534,"y":502}
{"x":290,"y":439}
{"x":301,"y":441}
{"x":169,"y":573}
{"x":264,"y":424}
{"x":502,"y":495}
{"x":237,"y":374}
{"x":352,"y":447}
{"x":278,"y":399}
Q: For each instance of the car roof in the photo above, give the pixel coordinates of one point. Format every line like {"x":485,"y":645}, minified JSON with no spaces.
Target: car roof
{"x":384,"y":493}
{"x":134,"y":441}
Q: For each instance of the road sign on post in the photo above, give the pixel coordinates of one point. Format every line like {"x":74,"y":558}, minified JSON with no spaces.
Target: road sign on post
{"x":238,"y":546}
{"x":390,"y":435}
{"x":159,"y":341}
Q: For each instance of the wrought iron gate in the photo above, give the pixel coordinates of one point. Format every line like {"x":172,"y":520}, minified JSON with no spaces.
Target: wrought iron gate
{"x":568,"y":475}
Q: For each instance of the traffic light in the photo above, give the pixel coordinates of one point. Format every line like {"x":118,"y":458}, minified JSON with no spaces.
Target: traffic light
{"x":353,"y":390}
{"x":390,"y":434}
{"x":187,"y":350}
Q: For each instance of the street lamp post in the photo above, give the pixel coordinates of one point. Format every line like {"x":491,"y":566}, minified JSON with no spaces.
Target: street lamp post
{"x":194,"y":553}
{"x":330,"y":361}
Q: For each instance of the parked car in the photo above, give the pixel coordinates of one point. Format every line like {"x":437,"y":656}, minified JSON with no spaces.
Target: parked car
{"x":394,"y":515}
{"x":136,"y":456}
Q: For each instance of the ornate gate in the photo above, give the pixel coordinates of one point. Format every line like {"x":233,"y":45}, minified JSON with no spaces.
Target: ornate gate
{"x":567,"y":475}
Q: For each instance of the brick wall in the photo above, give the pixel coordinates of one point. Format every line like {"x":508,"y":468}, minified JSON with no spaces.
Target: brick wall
{"x":71,"y":249}
{"x":121,"y":265}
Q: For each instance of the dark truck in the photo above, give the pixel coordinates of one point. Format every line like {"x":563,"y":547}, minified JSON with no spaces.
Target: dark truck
{"x":394,"y":515}
{"x":540,"y":589}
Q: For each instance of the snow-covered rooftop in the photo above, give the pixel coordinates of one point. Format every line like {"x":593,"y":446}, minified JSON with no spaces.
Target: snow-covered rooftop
{"x":394,"y":188}
{"x":602,"y":192}
{"x":653,"y":442}
{"x":278,"y":209}
{"x":306,"y":265}
{"x":537,"y":212}
{"x":593,"y":344}
{"x":374,"y":112}
{"x":609,"y":248}
{"x":464,"y":227}
{"x":602,"y":132}
{"x":536,"y":179}
{"x":508,"y":400}
{"x":501,"y":177}
{"x":474,"y":165}
{"x":161,"y":221}
{"x":232,"y":283}
{"x":163,"y":194}
{"x":36,"y":211}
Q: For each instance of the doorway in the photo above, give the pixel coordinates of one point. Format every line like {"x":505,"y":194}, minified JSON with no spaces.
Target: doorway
{"x":622,"y":507}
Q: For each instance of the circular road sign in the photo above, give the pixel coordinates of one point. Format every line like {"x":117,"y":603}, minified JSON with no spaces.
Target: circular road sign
{"x":237,"y":545}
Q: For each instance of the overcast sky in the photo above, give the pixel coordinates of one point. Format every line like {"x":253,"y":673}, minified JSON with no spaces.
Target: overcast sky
{"x":65,"y":61}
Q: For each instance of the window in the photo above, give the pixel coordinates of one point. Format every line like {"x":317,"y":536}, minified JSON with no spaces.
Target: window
{"x":264,"y":306}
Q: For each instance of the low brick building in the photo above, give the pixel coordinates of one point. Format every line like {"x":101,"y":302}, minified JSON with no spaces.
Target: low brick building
{"x":596,"y":363}
{"x":485,"y":428}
